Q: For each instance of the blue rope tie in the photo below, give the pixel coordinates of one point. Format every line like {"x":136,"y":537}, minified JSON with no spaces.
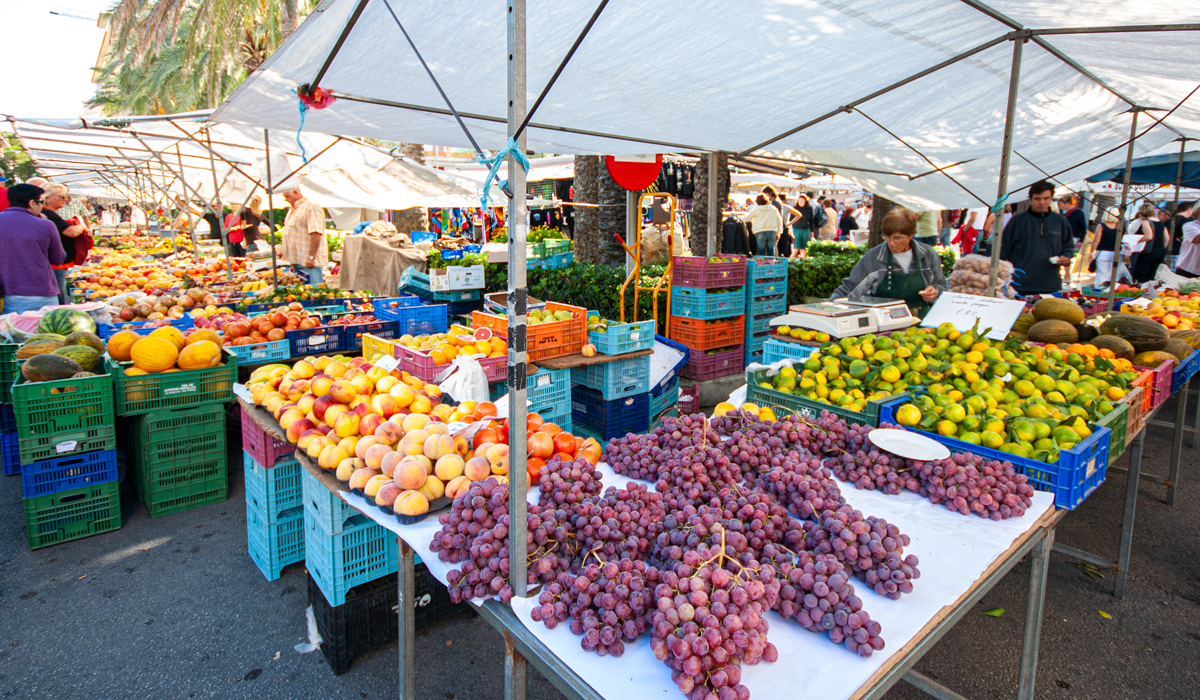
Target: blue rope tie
{"x":303,"y":115}
{"x":512,"y":148}
{"x":999,"y":205}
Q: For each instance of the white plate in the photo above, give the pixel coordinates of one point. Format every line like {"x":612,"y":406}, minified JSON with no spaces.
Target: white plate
{"x":908,"y":445}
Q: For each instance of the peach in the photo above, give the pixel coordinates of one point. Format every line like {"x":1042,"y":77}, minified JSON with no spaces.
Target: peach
{"x":287,"y":416}
{"x":384,"y":405}
{"x":333,"y":412}
{"x":374,"y":456}
{"x":390,"y":461}
{"x":350,"y":445}
{"x":497,"y":456}
{"x":457,"y":486}
{"x":363,"y":384}
{"x":369,"y":423}
{"x":414,"y":421}
{"x":321,"y":405}
{"x":285,"y":384}
{"x":449,"y":467}
{"x":360,"y":450}
{"x":433,"y":488}
{"x":389,"y":432}
{"x":420,"y":404}
{"x":306,"y":439}
{"x":297,"y":427}
{"x":323,"y":427}
{"x":356,"y":362}
{"x":320,"y":363}
{"x":303,"y":370}
{"x":359,"y":479}
{"x":388,"y":493}
{"x":477,"y":469}
{"x":436,"y":427}
{"x":348,"y":467}
{"x":461,"y":446}
{"x":346,"y":424}
{"x":411,"y":503}
{"x":413,"y":442}
{"x":342,"y":391}
{"x":361,"y":405}
{"x":320,"y":384}
{"x":352,"y":373}
{"x":385,"y":383}
{"x":374,"y":484}
{"x":410,"y":475}
{"x":297,"y":389}
{"x":331,"y":456}
{"x":318,"y":444}
{"x":336,"y":369}
{"x":403,"y":394}
{"x":376,"y":373}
{"x":273,"y":401}
{"x":259,"y":392}
{"x":305,"y":403}
{"x":438,"y":446}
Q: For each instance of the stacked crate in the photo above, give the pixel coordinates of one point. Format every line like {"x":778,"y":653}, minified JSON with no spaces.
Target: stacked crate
{"x":177,"y":433}
{"x":65,"y":438}
{"x":10,"y":449}
{"x":611,"y":399}
{"x":274,"y":500}
{"x":342,"y":547}
{"x":766,"y":298}
{"x":708,"y":314}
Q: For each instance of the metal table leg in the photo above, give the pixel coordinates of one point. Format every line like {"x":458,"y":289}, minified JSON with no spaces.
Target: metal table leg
{"x":1196,"y":425}
{"x":1131,"y":493}
{"x":1181,"y":401}
{"x":1039,"y":560}
{"x":514,"y":670}
{"x":406,"y":583}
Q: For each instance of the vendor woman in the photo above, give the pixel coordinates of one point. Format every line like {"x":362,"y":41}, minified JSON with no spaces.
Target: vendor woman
{"x":901,"y":268}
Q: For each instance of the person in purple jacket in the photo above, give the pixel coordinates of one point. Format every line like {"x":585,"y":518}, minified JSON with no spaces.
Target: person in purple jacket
{"x":30,"y":244}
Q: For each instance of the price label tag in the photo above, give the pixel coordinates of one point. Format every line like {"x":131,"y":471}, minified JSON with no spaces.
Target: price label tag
{"x":388,"y":363}
{"x":316,"y":340}
{"x":635,"y":335}
{"x":543,"y":381}
{"x":66,"y":446}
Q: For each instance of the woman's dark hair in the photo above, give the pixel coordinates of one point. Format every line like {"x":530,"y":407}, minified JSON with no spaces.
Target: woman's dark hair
{"x":761,"y":199}
{"x":770,"y":191}
{"x":21,"y":195}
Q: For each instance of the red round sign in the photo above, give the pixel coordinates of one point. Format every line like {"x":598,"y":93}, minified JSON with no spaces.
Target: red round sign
{"x":634,"y":173}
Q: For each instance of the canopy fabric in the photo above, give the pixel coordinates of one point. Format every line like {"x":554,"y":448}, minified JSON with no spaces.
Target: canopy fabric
{"x":551,"y":168}
{"x":741,"y":79}
{"x":1156,"y":170}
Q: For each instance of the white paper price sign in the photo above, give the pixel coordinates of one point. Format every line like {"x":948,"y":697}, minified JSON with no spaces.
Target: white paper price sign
{"x":66,"y":446}
{"x":316,"y":340}
{"x":964,"y":310}
{"x":387,"y":362}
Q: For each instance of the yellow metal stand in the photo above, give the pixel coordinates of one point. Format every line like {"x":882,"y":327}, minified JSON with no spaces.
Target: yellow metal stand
{"x":635,"y":251}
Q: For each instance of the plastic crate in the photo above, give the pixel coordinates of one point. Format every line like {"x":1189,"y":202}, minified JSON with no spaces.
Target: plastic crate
{"x":69,"y":416}
{"x":168,"y":391}
{"x":273,"y":545}
{"x":315,"y":341}
{"x":704,"y":305}
{"x":1136,"y":420}
{"x":388,"y":308}
{"x":561,"y":417}
{"x":621,"y":338}
{"x":1184,"y":371}
{"x":10,"y":453}
{"x":352,"y":334}
{"x":760,"y":306}
{"x":420,"y":365}
{"x":545,"y":340}
{"x":66,"y":473}
{"x":183,"y":484}
{"x":662,"y":384}
{"x":1117,"y":424}
{"x":414,"y":319}
{"x":340,"y":303}
{"x":368,"y":617}
{"x":547,"y":389}
{"x":275,"y":490}
{"x":1077,"y":473}
{"x":257,"y":353}
{"x":808,"y":408}
{"x":719,"y":364}
{"x":363,"y":551}
{"x":8,"y":370}
{"x":751,"y":357}
{"x":610,"y":418}
{"x":707,"y":335}
{"x":616,"y":379}
{"x":552,"y":262}
{"x":756,"y":342}
{"x":8,"y":419}
{"x":167,"y":436}
{"x":1160,"y":383}
{"x":667,"y":399}
{"x":454,"y":309}
{"x":328,"y":510}
{"x":776,"y":350}
{"x":766,"y":267}
{"x":688,"y":271}
{"x":417,"y":283}
{"x":263,"y":447}
{"x":106,"y":331}
{"x":767,"y":288}
{"x":547,"y":248}
{"x":71,"y":515}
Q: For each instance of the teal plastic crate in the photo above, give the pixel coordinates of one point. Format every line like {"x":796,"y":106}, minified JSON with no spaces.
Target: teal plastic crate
{"x":328,"y":510}
{"x":776,"y":350}
{"x":275,"y":490}
{"x":552,"y":262}
{"x":766,"y":267}
{"x":363,"y":551}
{"x":705,"y":304}
{"x":621,"y":338}
{"x":767,"y":288}
{"x":273,"y":545}
{"x":667,"y":399}
{"x":761,"y":306}
{"x":270,"y":351}
{"x":617,"y":379}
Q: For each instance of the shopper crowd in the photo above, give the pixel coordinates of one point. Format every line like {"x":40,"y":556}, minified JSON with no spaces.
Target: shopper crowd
{"x":39,"y":244}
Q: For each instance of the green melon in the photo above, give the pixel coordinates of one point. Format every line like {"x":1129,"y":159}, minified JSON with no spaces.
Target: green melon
{"x":1024,"y":323}
{"x":1052,"y":308}
{"x":49,"y":368}
{"x":1153,"y":358}
{"x":84,"y":356}
{"x":85,"y":338}
{"x":1142,"y":333}
{"x":1179,"y":348}
{"x":1119,"y":346}
{"x":65,"y":322}
{"x":1053,"y":331}
{"x":40,"y":347}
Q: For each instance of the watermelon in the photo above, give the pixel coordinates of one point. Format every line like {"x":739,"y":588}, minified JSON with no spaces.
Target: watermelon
{"x":84,"y":356}
{"x":65,"y":322}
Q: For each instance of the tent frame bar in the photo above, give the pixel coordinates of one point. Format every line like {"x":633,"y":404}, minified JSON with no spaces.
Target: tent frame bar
{"x":1010,"y":119}
{"x":306,"y":89}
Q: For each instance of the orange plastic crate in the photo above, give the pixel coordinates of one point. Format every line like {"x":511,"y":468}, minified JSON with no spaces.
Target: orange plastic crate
{"x":708,"y":335}
{"x":545,"y":340}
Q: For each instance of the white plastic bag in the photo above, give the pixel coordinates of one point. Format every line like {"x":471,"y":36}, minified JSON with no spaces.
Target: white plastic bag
{"x":467,"y":380}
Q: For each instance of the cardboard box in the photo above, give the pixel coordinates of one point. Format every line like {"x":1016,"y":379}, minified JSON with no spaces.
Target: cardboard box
{"x":453,"y":279}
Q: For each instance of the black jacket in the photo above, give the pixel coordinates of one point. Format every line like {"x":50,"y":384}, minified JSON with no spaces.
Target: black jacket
{"x":1028,"y":242}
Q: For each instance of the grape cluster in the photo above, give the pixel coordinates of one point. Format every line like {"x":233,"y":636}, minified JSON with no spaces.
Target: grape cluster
{"x":606,"y":602}
{"x":567,"y":482}
{"x":645,"y":456}
{"x":696,"y":474}
{"x":621,"y":522}
{"x":870,"y":547}
{"x":871,"y":469}
{"x":968,"y":484}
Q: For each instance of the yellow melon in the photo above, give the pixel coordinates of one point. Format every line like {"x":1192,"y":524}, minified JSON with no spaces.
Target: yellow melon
{"x":121,"y":343}
{"x":154,"y":354}
{"x":198,"y":334}
{"x":172,"y":334}
{"x":200,"y":355}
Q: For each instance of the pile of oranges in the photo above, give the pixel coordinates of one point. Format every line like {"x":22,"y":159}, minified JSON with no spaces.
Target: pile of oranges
{"x":443,"y":348}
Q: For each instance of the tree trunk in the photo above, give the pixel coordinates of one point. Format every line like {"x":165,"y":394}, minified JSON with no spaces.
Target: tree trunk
{"x":699,"y":234}
{"x":595,"y":226}
{"x":413,"y":219}
{"x":289,"y":18}
{"x":879,"y":209}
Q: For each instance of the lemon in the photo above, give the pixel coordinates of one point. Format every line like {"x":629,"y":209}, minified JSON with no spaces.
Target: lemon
{"x":908,"y":415}
{"x":783,"y":330}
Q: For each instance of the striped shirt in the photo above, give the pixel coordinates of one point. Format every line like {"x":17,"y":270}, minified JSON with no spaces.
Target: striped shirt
{"x":302,"y":220}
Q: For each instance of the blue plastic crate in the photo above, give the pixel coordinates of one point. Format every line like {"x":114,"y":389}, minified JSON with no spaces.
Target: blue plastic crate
{"x":667,"y":399}
{"x":274,"y":545}
{"x":273,"y":490}
{"x":352,"y":334}
{"x":363,"y":551}
{"x":776,"y":350}
{"x":8,"y":419}
{"x":314,"y":341}
{"x":703,"y":304}
{"x":753,"y":356}
{"x":70,"y":472}
{"x":10,"y":452}
{"x":766,"y":267}
{"x":454,"y":309}
{"x":663,"y":384}
{"x":337,"y":304}
{"x":326,"y":507}
{"x":1078,"y":472}
{"x":270,"y":351}
{"x":1184,"y":371}
{"x":388,"y":309}
{"x":755,"y":324}
{"x":775,"y":306}
{"x":755,"y":343}
{"x":106,"y":331}
{"x":561,"y":418}
{"x":423,"y":320}
{"x":453,"y":254}
{"x":617,"y":379}
{"x":621,"y":338}
{"x":610,"y":418}
{"x":421,"y":236}
{"x":767,"y":287}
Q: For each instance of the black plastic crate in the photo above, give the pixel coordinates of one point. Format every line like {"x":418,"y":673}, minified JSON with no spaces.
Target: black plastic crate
{"x":368,"y":618}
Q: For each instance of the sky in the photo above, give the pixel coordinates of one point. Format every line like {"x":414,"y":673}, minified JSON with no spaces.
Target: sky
{"x":61,"y":51}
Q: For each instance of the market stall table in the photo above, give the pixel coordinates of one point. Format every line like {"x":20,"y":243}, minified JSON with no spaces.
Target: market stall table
{"x":369,"y":263}
{"x":962,"y":559}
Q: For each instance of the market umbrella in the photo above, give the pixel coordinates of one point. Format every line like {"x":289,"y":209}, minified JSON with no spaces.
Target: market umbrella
{"x":1157,"y":170}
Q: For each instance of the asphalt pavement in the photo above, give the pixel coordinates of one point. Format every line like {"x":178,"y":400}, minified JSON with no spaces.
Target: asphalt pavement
{"x":173,"y":607}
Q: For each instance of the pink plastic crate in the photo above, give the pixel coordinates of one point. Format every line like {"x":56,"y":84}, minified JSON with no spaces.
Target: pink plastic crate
{"x":421,"y":365}
{"x":718,"y":364}
{"x":698,"y":272}
{"x":1160,"y":383}
{"x":261,"y":445}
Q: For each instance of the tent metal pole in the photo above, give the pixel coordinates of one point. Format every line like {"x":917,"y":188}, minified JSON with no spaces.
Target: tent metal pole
{"x":306,"y":89}
{"x":1175,"y":205}
{"x":1112,"y":279}
{"x":1120,"y":29}
{"x":223,"y":159}
{"x":182,"y":181}
{"x":270,"y":209}
{"x":714,"y":187}
{"x":221,"y":233}
{"x":1010,"y":120}
{"x":515,"y":667}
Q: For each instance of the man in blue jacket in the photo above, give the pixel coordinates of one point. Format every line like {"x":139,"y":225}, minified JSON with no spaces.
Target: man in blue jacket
{"x":1038,"y":242}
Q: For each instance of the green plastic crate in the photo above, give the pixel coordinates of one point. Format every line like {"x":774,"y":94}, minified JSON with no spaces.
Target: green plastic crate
{"x":807,"y":408}
{"x":8,"y":371}
{"x":70,"y":416}
{"x":195,"y":434}
{"x":71,"y":515}
{"x":1117,"y":424}
{"x":167,"y":391}
{"x":186,"y":492}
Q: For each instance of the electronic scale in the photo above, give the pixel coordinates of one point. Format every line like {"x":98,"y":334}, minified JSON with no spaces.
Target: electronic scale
{"x":846,"y":318}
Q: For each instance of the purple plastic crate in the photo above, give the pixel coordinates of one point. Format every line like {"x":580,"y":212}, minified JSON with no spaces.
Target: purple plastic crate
{"x":699,"y":272}
{"x":719,"y":364}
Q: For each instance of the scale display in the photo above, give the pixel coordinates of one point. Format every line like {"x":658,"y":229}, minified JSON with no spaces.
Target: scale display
{"x":847,"y":318}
